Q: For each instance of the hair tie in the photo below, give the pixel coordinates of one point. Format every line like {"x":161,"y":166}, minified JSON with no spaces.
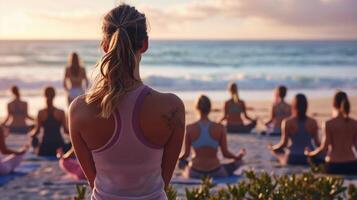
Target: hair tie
{"x":120,"y":27}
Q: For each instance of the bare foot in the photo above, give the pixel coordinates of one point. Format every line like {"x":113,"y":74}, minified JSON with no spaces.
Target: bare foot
{"x":59,"y":153}
{"x":24,"y":149}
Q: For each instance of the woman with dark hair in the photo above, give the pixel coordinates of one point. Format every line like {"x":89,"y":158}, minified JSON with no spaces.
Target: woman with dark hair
{"x":51,"y":120}
{"x":74,"y":78}
{"x":127,"y":136}
{"x":280,"y":110}
{"x":17,"y":111}
{"x":340,"y":139}
{"x":298,"y":132}
{"x":205,"y":137}
{"x":234,"y":108}
{"x":12,"y":159}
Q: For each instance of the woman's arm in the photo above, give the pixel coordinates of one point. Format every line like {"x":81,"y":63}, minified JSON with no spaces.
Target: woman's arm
{"x":27,"y":114}
{"x":86,"y":81}
{"x":224,"y":147}
{"x":225,"y":112}
{"x":7,"y":117}
{"x":187,"y":149}
{"x":245,"y":112}
{"x":326,"y":141}
{"x":65,"y":84}
{"x":284,"y":136}
{"x":82,"y":152}
{"x":3,"y":148}
{"x":272,"y":116}
{"x":38,"y":126}
{"x":315,"y":134}
{"x":64,"y":123}
{"x":175,"y":120}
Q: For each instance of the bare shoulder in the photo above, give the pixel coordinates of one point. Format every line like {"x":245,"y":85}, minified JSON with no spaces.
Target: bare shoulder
{"x":167,"y":101}
{"x":80,"y":110}
{"x":217,"y":127}
{"x":311,"y":121}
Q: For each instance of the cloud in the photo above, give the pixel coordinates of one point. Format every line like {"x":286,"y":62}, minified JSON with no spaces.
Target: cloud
{"x":306,"y":13}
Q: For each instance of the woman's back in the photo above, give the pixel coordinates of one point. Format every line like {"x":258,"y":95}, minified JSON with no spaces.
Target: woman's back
{"x":343,"y":137}
{"x":128,"y":148}
{"x":205,"y":138}
{"x":300,"y":139}
{"x":128,"y":152}
{"x":234,"y":111}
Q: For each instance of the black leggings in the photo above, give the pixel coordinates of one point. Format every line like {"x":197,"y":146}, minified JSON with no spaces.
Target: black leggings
{"x":224,"y":170}
{"x":240,"y":129}
{"x":345,"y":168}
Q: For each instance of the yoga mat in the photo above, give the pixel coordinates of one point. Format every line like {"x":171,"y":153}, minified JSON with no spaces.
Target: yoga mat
{"x":21,"y":170}
{"x":66,"y":180}
{"x":180,"y":180}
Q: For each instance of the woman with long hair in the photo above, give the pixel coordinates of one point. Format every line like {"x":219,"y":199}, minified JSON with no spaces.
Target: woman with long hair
{"x":18,"y":115}
{"x":206,"y":137}
{"x":340,"y":139}
{"x":75,"y":79}
{"x":298,"y":132}
{"x":280,"y":110}
{"x":51,"y":120}
{"x":127,"y":136}
{"x":234,"y":108}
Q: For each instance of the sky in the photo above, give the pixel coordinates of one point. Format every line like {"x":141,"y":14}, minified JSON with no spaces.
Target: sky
{"x":184,"y":19}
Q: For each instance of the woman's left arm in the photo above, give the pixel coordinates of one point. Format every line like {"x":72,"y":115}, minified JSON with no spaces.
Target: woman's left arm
{"x":82,"y":152}
{"x":245,"y":112}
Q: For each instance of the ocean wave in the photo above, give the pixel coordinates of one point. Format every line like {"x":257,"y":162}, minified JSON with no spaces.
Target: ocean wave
{"x":204,"y":83}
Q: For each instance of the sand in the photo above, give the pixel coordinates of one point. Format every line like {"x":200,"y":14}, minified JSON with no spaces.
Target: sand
{"x":44,"y":182}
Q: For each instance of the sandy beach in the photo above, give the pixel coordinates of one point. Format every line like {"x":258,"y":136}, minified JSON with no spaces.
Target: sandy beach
{"x":49,"y":182}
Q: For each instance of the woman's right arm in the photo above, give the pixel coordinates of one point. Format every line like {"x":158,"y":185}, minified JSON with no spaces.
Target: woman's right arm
{"x":224,"y":113}
{"x":82,"y":152}
{"x":175,"y":122}
{"x":65,"y":85}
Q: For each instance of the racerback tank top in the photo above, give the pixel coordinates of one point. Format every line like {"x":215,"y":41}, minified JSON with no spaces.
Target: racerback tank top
{"x":127,"y":166}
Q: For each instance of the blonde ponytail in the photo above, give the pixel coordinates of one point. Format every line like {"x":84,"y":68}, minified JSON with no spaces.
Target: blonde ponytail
{"x":124,"y":31}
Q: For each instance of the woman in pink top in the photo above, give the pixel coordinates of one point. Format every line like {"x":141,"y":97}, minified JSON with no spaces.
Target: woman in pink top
{"x":127,"y":136}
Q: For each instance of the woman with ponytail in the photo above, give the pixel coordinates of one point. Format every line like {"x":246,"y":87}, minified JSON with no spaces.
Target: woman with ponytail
{"x":340,"y":139}
{"x":298,"y":132}
{"x":51,"y":120}
{"x":127,"y":136}
{"x":234,"y":108}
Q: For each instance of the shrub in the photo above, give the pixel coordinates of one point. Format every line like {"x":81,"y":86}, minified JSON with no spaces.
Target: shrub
{"x":263,"y":186}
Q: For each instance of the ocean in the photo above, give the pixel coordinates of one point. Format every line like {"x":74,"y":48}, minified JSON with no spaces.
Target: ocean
{"x":191,"y":67}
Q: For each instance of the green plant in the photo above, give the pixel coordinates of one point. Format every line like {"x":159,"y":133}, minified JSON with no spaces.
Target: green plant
{"x":262,"y":186}
{"x":352,"y":192}
{"x":81,"y":192}
{"x":171,"y":193}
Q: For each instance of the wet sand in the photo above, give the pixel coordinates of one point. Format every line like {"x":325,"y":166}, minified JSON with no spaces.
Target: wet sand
{"x":45,"y":182}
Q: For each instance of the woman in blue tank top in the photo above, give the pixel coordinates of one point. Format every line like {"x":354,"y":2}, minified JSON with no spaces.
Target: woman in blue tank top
{"x":298,"y":133}
{"x":205,"y":137}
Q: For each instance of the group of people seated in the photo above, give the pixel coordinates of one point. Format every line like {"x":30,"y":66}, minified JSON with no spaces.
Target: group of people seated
{"x":50,"y":123}
{"x":300,"y":143}
{"x":127,"y":136}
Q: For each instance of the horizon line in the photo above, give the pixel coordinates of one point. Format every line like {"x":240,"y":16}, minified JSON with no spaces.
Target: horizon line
{"x":189,"y":39}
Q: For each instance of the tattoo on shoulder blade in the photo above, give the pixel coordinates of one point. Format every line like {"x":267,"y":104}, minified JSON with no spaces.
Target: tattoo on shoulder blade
{"x":173,"y":119}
